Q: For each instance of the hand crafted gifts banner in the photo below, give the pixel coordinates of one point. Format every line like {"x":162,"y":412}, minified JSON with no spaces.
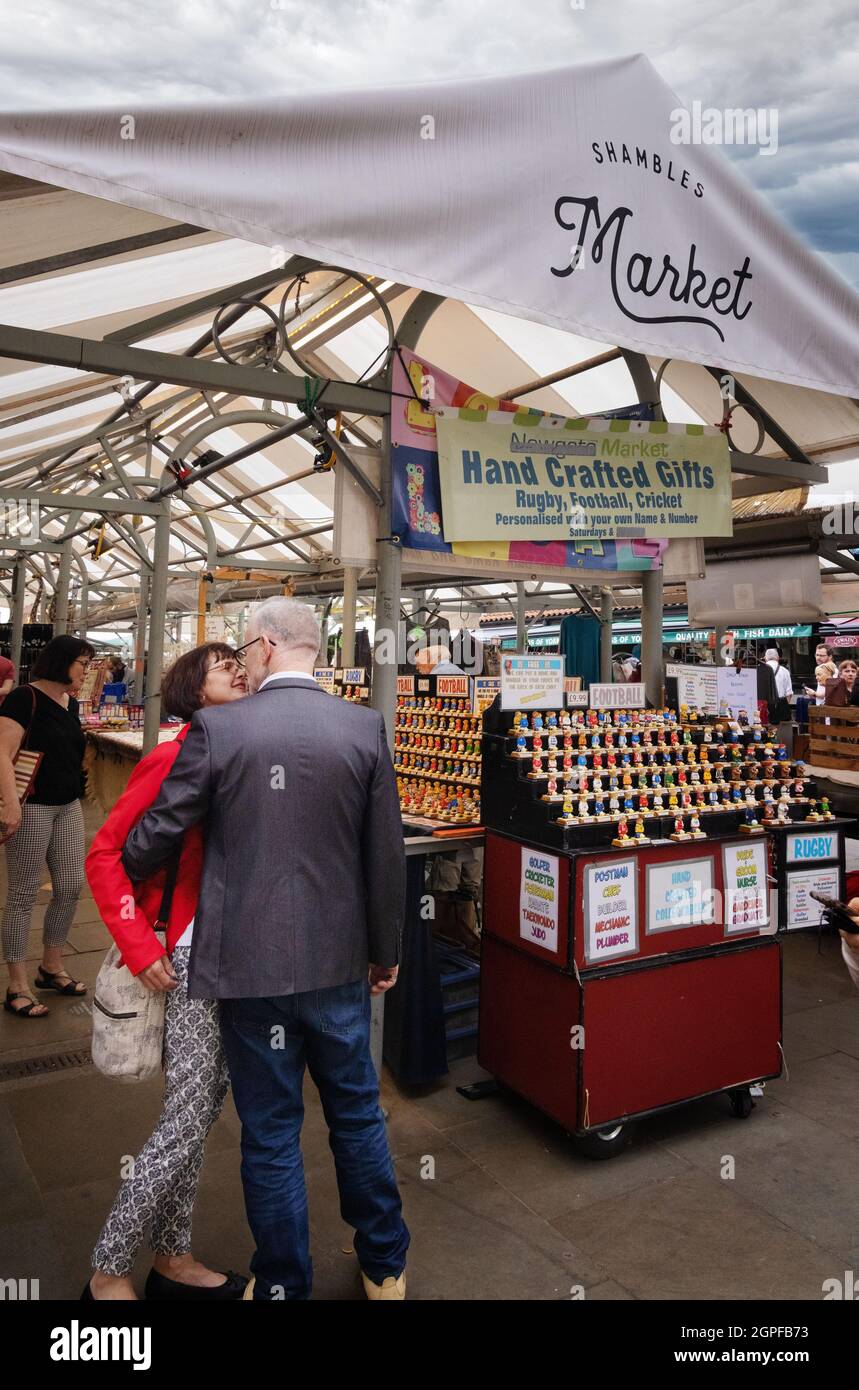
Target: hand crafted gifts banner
{"x":505,"y":475}
{"x":417,"y":518}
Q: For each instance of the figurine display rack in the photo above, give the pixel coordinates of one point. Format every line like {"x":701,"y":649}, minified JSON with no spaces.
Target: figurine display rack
{"x":582,"y":778}
{"x":437,"y":756}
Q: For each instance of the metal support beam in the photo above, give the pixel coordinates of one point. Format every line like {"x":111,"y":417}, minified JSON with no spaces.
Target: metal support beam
{"x":83,"y":597}
{"x":19,"y":594}
{"x":801,"y":473}
{"x":60,"y":502}
{"x":606,"y":615}
{"x":521,"y":628}
{"x":140,"y":634}
{"x":350,"y":601}
{"x":61,"y":617}
{"x":157,"y":616}
{"x":651,"y":636}
{"x":388,"y":590}
{"x":115,"y":359}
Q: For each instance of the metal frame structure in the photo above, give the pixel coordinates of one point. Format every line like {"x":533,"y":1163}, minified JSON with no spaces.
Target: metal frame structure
{"x":132,"y":476}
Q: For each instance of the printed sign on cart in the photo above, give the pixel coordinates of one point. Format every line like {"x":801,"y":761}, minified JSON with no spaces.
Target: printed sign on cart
{"x":405,"y":685}
{"x":484,"y":692}
{"x":802,"y":910}
{"x":532,"y":682}
{"x":538,"y":899}
{"x":809,"y":846}
{"x":611,"y":917}
{"x":744,"y":867}
{"x":679,"y":894}
{"x":627,"y":695}
{"x":697,"y":688}
{"x":452,"y":686}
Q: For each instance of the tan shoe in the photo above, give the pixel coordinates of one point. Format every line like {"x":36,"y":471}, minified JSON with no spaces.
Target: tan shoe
{"x":249,"y":1290}
{"x":390,"y":1288}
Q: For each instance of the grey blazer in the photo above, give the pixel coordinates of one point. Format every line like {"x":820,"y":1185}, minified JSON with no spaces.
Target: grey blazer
{"x":304,"y":869}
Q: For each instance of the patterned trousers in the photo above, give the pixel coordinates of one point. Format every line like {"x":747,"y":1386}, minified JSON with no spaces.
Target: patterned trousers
{"x":162,"y":1185}
{"x":52,"y":835}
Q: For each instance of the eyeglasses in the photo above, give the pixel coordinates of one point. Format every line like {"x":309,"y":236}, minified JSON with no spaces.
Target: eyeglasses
{"x":236,"y":662}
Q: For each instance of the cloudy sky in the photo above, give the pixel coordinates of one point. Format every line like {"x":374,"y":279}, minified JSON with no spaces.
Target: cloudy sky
{"x":799,"y":58}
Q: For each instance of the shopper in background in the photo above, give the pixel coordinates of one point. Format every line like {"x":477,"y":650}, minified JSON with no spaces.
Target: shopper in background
{"x":299,"y":921}
{"x":779,"y":709}
{"x":163,"y":1181}
{"x":850,"y":944}
{"x":824,"y":670}
{"x":116,"y":670}
{"x":435,"y":661}
{"x":7,"y":676}
{"x":49,"y":827}
{"x":844,"y":690}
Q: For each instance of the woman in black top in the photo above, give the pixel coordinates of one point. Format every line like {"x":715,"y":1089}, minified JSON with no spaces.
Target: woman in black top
{"x":49,"y":827}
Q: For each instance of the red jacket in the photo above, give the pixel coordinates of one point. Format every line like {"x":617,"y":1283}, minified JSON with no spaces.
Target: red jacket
{"x":113,"y":891}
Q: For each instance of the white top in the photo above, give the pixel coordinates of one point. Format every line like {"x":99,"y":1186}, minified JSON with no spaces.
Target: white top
{"x":783,"y":682}
{"x":185,"y":938}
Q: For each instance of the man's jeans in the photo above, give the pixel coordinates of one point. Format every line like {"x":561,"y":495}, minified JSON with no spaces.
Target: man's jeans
{"x":268,"y":1042}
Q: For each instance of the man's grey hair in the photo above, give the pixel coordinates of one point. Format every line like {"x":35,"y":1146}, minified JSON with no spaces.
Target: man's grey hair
{"x":291,"y":624}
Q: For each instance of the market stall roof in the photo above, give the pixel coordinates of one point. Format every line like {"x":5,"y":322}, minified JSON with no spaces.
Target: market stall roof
{"x":134,"y":233}
{"x":681,"y":258}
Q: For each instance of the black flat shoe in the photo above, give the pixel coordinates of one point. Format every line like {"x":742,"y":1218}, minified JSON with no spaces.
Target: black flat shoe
{"x":158,"y":1286}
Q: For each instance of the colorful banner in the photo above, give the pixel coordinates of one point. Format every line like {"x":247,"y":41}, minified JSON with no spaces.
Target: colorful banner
{"x":417,"y":512}
{"x":550,"y":478}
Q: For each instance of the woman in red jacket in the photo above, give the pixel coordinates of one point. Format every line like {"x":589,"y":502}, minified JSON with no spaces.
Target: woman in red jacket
{"x":161,"y":1187}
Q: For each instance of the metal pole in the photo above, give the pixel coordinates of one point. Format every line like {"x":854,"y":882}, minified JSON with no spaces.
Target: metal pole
{"x":383,"y":696}
{"x":651,"y":635}
{"x":83,"y":603}
{"x":521,"y":631}
{"x":19,"y":594}
{"x":350,"y":602}
{"x":140,"y":634}
{"x":157,"y":616}
{"x":388,"y":587}
{"x":606,"y":614}
{"x":61,"y":619}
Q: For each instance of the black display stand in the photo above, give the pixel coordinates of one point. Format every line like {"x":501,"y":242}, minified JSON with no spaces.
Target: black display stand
{"x":819,"y":856}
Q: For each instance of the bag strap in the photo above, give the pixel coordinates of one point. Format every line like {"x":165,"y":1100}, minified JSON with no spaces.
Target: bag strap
{"x":167,"y":896}
{"x":26,"y":737}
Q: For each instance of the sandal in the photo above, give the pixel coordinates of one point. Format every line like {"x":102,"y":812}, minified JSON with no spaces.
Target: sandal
{"x":46,"y":979}
{"x":26,"y":1012}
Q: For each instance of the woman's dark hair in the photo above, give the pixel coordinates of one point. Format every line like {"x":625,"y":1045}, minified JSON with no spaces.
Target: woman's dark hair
{"x":55,"y":660}
{"x":182,"y":684}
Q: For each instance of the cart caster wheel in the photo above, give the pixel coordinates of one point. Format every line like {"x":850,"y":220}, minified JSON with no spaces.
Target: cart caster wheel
{"x":742,"y":1104}
{"x":604,"y":1143}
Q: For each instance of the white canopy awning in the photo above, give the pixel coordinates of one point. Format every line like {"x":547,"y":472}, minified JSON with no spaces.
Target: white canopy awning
{"x":483,"y":191}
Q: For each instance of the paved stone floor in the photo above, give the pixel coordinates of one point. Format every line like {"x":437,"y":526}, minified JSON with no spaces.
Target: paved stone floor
{"x":512,"y":1211}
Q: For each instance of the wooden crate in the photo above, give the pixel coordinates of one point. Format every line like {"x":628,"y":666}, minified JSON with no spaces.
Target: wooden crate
{"x":834,"y":737}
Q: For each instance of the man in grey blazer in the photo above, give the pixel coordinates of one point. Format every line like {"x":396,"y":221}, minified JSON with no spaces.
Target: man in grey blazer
{"x":298,"y":921}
